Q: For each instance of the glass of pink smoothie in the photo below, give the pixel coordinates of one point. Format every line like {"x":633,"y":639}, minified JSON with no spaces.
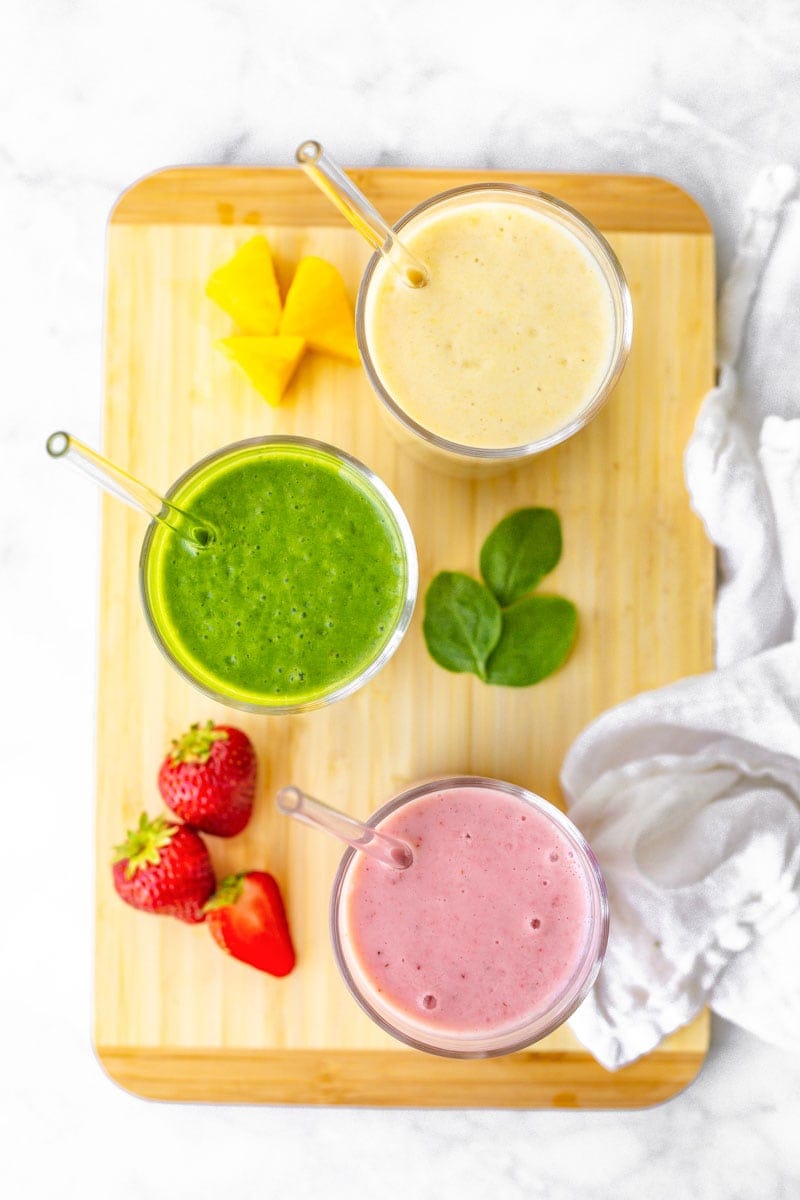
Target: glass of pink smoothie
{"x":493,"y":935}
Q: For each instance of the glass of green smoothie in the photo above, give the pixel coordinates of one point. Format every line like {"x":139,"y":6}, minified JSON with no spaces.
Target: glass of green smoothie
{"x":304,"y":592}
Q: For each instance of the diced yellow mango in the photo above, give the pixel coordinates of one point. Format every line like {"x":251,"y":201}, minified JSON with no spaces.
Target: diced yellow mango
{"x":268,"y":362}
{"x":246,"y":288}
{"x":318,"y":309}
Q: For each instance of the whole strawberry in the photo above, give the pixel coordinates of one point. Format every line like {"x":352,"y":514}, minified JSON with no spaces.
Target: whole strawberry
{"x":163,"y":867}
{"x":209,"y":778}
{"x":247,"y":919}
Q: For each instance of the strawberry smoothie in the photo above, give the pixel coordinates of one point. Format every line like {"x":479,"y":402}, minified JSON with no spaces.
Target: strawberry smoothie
{"x":492,"y":935}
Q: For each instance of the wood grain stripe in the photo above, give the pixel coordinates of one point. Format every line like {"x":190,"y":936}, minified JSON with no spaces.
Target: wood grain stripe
{"x":283,"y":196}
{"x":398,"y":1080}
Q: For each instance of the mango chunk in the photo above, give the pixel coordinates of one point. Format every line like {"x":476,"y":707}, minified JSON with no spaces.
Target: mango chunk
{"x":317,"y":308}
{"x":268,"y":362}
{"x":246,"y":288}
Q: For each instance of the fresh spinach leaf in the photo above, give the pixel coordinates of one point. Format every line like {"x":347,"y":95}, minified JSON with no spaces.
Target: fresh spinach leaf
{"x":462,"y":622}
{"x":520,"y":551}
{"x":537,"y":635}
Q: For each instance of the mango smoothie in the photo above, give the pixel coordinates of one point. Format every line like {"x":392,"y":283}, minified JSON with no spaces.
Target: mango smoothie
{"x":491,"y":936}
{"x":518,"y":336}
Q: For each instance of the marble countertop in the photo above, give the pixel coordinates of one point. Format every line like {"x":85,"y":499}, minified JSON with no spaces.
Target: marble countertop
{"x":95,"y":94}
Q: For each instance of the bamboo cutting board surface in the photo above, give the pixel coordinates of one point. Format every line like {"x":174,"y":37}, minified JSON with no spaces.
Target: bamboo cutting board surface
{"x":175,"y":1018}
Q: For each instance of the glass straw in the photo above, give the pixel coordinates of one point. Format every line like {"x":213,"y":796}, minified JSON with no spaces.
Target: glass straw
{"x":392,"y":852}
{"x":123,"y":485}
{"x":361,"y":214}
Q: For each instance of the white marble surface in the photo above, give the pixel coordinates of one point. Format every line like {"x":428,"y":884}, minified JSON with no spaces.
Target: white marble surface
{"x":95,"y":93}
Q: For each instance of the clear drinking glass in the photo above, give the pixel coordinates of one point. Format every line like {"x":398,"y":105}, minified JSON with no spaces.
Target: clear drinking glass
{"x":362,"y":479}
{"x":441,"y":449}
{"x":484,"y":1043}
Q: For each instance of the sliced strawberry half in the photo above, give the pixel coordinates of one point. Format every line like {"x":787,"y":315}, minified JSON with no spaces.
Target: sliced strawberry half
{"x":247,"y":919}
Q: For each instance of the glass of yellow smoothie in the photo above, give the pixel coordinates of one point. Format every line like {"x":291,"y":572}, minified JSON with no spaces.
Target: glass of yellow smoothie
{"x":515,"y":342}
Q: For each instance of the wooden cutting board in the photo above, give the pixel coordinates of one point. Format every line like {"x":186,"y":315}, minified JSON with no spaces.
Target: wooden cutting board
{"x":175,"y":1018}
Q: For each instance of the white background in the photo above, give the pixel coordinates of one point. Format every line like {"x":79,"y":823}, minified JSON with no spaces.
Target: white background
{"x":96,"y":93}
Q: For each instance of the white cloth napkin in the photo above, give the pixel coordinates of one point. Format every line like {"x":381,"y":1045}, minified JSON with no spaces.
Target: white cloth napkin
{"x":690,"y":795}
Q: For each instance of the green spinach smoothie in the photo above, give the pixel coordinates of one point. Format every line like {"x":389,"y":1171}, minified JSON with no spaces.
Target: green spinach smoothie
{"x":303,"y":587}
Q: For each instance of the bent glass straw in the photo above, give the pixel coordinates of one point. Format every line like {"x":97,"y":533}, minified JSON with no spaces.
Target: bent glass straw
{"x":392,"y":852}
{"x":119,"y":483}
{"x":355,"y":206}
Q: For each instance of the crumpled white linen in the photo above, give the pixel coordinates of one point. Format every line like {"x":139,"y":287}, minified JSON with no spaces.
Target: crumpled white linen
{"x":690,"y":795}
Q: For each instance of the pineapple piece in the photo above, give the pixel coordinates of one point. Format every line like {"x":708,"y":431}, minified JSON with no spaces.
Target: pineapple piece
{"x":246,"y":288}
{"x":318,"y":309}
{"x":268,"y":362}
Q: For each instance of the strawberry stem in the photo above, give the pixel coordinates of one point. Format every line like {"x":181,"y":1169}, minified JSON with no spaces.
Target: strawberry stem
{"x":142,"y":845}
{"x":195,"y":746}
{"x":228,"y":892}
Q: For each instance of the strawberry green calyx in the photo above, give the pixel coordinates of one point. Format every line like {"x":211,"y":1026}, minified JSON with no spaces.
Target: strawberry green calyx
{"x":228,"y":892}
{"x":196,"y":745}
{"x":143,"y":845}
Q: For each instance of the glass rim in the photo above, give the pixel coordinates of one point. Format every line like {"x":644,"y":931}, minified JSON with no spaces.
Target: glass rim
{"x":623,"y":322}
{"x":405,"y":537}
{"x":509,"y":1040}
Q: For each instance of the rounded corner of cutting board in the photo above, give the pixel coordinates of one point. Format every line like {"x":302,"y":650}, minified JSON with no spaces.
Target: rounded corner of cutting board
{"x":677,"y":197}
{"x":158,"y":1077}
{"x":667,"y":1072}
{"x":128,"y":202}
{"x":681,"y":1079}
{"x":113,"y":1067}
